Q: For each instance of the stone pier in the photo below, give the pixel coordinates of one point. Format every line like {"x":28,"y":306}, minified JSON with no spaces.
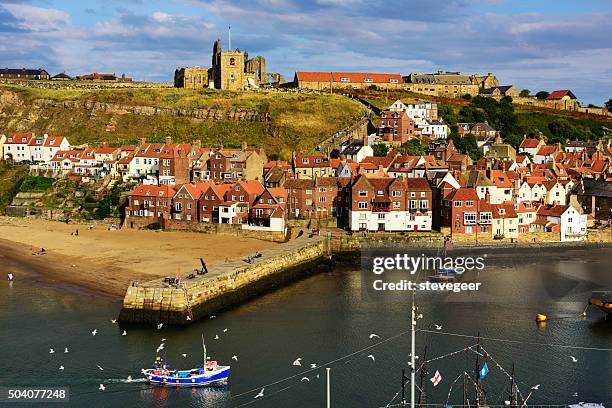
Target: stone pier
{"x":224,"y":285}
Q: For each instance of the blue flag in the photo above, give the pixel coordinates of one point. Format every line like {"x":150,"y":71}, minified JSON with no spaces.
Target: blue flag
{"x":484,"y":371}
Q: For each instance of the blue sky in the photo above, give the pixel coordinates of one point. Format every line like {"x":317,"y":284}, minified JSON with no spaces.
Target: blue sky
{"x":534,"y":44}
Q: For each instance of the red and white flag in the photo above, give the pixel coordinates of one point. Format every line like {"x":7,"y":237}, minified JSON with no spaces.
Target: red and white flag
{"x":436,"y":378}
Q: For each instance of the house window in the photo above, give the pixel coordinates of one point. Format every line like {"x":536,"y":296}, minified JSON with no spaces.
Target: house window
{"x":309,"y":202}
{"x":321,"y":199}
{"x":458,"y":203}
{"x":397,"y":194}
{"x":322,"y":189}
{"x":396,"y":204}
{"x":363,"y":193}
{"x":363,"y":206}
{"x":469,"y":203}
{"x":412,"y":194}
{"x":308,"y":191}
{"x":232,"y":61}
{"x":424,"y":203}
{"x":344,"y":79}
{"x":380,"y":192}
{"x":381,"y":216}
{"x":469,"y":218}
{"x":422,"y":194}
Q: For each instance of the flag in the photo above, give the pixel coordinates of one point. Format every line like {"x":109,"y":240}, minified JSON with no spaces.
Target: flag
{"x":436,"y":378}
{"x":484,"y":371}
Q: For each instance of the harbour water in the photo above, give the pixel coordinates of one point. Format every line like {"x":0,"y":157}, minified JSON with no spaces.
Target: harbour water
{"x":323,"y":319}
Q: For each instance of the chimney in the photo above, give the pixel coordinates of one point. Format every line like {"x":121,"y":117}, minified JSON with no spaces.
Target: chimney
{"x":168,"y":140}
{"x":488,"y":196}
{"x":488,"y":169}
{"x":142,"y":141}
{"x":366,"y":140}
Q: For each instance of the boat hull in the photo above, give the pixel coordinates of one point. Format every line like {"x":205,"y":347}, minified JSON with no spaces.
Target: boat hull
{"x":218,"y":376}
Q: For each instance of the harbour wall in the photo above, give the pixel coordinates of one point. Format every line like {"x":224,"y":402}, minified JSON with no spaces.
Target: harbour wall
{"x":223,"y":286}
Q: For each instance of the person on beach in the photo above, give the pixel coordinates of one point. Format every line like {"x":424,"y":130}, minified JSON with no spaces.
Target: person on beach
{"x":10,"y":277}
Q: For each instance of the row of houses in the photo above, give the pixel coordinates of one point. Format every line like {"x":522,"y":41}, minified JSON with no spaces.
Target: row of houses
{"x":42,"y":74}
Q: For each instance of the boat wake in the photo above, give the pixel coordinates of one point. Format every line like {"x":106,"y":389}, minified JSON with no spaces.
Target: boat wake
{"x":124,"y":380}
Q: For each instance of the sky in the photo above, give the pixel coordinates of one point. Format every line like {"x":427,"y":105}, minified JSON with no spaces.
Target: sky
{"x":532,"y":44}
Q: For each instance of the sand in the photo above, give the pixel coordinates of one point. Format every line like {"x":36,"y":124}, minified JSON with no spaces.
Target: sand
{"x":106,"y":261}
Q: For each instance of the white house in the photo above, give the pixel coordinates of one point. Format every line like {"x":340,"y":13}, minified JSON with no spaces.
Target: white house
{"x":52,"y":145}
{"x":555,"y":193}
{"x":145,"y":161}
{"x":567,"y":220}
{"x":435,"y":129}
{"x":16,"y":147}
{"x":2,"y":140}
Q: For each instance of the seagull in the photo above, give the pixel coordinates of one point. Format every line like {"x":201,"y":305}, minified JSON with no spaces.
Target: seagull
{"x":372,"y":357}
{"x":575,"y":394}
{"x":216,"y":337}
{"x":536,"y":387}
{"x":317,"y":375}
{"x":574,"y":359}
{"x":313,"y":366}
{"x":420,"y":316}
{"x":61,"y":367}
{"x":298,"y":362}
{"x":305,"y":379}
{"x":224,"y":330}
{"x":160,"y":347}
{"x":93,"y":333}
{"x":159,"y":326}
{"x":101,"y":387}
{"x":113,"y":321}
{"x":188,"y":318}
{"x":163,"y":340}
{"x":438,"y":327}
{"x":124,"y":333}
{"x":235,"y":358}
{"x":65,"y":350}
{"x":129,"y":379}
{"x":212,"y":317}
{"x":51,"y":351}
{"x":184,"y":355}
{"x":374,"y":335}
{"x":261,"y":393}
{"x":506,"y":403}
{"x":101,"y":369}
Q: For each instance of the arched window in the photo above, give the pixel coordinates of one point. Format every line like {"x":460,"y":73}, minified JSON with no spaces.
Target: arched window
{"x":232,"y":61}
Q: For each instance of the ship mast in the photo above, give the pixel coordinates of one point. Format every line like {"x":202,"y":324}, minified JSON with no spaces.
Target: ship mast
{"x":422,"y":394}
{"x":204,"y":352}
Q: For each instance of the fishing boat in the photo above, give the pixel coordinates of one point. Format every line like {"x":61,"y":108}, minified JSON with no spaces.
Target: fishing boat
{"x":602,"y":300}
{"x":210,"y":373}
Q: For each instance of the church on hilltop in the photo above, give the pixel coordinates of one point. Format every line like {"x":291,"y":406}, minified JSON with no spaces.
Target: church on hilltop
{"x":230,"y":70}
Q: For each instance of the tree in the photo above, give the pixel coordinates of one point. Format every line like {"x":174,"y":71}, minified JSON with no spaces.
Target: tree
{"x":467,"y":145}
{"x":467,"y":97}
{"x":380,"y":149}
{"x":412,"y":147}
{"x":608,"y":105}
{"x":524,"y":93}
{"x":542,"y":95}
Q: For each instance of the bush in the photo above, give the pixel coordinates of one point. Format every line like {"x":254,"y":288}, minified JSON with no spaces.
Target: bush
{"x":467,"y":97}
{"x":36,"y":183}
{"x":154,"y":226}
{"x":380,"y":149}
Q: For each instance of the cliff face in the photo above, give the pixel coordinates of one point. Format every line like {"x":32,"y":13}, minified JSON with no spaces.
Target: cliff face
{"x":279,"y":122}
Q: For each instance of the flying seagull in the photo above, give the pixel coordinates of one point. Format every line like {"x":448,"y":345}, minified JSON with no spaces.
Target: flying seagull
{"x":216,"y":337}
{"x":101,"y":369}
{"x":305,"y":379}
{"x":65,"y":350}
{"x":160,"y":347}
{"x":212,"y":317}
{"x":124,"y":333}
{"x":235,"y":358}
{"x":184,"y":355}
{"x":224,"y":330}
{"x":438,"y":327}
{"x":113,"y":321}
{"x":159,"y":326}
{"x":536,"y":387}
{"x":61,"y":367}
{"x":372,"y":357}
{"x":101,"y":387}
{"x":261,"y":393}
{"x":188,"y":318}
{"x":374,"y":335}
{"x":575,"y":394}
{"x":298,"y":362}
{"x":51,"y":351}
{"x":93,"y":333}
{"x":313,"y":366}
{"x":129,"y":379}
{"x":574,"y":359}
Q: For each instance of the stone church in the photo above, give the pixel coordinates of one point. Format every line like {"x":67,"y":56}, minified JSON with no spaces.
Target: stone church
{"x":230,"y":70}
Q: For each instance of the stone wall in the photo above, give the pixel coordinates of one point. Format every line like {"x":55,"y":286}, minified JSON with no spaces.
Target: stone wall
{"x":224,"y":285}
{"x":78,"y":84}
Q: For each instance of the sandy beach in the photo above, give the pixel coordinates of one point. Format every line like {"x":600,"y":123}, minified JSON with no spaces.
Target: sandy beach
{"x":106,"y":261}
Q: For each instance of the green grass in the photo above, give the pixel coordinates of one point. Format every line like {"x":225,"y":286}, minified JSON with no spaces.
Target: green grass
{"x":36,"y":184}
{"x":298,"y":121}
{"x":11,"y":176}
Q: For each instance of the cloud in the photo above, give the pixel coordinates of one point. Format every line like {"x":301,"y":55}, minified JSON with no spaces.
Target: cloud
{"x":30,"y":18}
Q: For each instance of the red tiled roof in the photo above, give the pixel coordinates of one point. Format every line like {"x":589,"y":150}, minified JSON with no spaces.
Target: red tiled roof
{"x":560,"y":94}
{"x":351,"y":77}
{"x":554,"y":211}
{"x":153,"y":191}
{"x":546,"y":150}
{"x":19,"y":138}
{"x":529,"y":143}
{"x":53,"y":141}
{"x":464,"y":193}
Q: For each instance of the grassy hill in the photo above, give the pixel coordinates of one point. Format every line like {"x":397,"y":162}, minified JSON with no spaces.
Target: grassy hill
{"x":11,"y":177}
{"x":297,"y":121}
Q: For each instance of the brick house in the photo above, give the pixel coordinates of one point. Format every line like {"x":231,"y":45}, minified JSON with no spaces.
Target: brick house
{"x":148,"y":204}
{"x":390,"y":204}
{"x":174,"y":164}
{"x":186,"y":200}
{"x":318,"y":198}
{"x":230,"y":165}
{"x":308,"y":166}
{"x":210,"y":201}
{"x":395,"y":127}
{"x":269,"y":210}
{"x":465,"y":213}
